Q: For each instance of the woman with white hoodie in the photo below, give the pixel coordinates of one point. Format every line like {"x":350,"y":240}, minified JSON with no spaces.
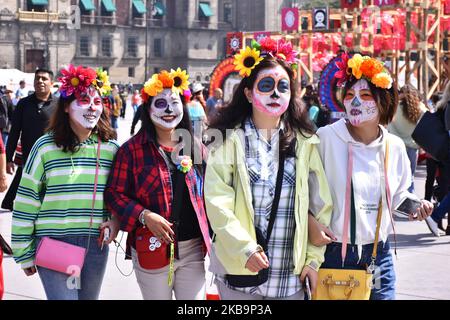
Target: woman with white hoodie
{"x":366,"y":167}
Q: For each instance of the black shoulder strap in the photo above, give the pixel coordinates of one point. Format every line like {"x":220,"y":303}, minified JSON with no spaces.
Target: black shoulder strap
{"x":276,"y":199}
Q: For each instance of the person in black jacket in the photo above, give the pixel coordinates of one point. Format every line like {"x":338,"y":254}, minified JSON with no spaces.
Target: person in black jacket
{"x":435,"y":221}
{"x":136,"y":118}
{"x":29,"y":121}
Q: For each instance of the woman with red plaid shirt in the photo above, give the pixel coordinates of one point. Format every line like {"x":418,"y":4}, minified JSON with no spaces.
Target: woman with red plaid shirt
{"x":157,"y":194}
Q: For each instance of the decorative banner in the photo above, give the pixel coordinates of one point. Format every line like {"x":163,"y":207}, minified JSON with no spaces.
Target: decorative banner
{"x":447,"y":7}
{"x":261,"y":35}
{"x":328,"y":85}
{"x":289,"y":19}
{"x":381,"y":3}
{"x":350,"y":4}
{"x":234,"y":42}
{"x":320,"y":18}
{"x":226,"y":78}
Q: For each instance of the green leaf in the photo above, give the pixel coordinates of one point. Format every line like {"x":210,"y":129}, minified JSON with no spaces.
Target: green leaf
{"x":255,"y":45}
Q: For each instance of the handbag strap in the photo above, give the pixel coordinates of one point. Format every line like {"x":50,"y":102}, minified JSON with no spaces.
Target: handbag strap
{"x":380,"y":204}
{"x":97,"y":164}
{"x":276,"y":199}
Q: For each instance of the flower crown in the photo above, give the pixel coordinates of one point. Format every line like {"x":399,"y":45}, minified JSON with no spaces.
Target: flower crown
{"x":177,"y":80}
{"x":359,"y":66}
{"x":76,"y":80}
{"x":247,"y":59}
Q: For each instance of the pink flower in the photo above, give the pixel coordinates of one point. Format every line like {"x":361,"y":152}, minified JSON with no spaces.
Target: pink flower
{"x":342,"y":74}
{"x":285,"y":48}
{"x":76,"y":80}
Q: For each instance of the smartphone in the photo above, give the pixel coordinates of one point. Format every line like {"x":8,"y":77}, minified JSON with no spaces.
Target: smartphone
{"x":408,"y":206}
{"x":307,"y":288}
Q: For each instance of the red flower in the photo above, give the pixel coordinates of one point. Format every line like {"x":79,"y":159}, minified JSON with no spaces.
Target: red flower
{"x":76,"y":80}
{"x":144,"y":95}
{"x":268,"y":45}
{"x":342,"y":74}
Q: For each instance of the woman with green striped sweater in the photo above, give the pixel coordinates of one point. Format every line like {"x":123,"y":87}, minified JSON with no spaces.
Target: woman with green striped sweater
{"x":55,"y":196}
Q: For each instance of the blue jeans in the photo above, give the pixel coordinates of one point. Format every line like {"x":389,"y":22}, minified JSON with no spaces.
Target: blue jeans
{"x":384,"y":276}
{"x":412,"y":155}
{"x":443,"y":207}
{"x":59,"y":286}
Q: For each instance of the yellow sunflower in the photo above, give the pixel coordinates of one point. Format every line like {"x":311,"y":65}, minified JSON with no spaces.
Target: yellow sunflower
{"x":246,"y":60}
{"x":153,"y":86}
{"x":102,"y":82}
{"x":180,"y":80}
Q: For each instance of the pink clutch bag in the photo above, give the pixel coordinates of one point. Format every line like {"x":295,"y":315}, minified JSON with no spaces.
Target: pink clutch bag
{"x":60,"y":256}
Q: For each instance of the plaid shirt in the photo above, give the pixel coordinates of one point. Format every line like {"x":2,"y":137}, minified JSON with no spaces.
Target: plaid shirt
{"x":262,"y":164}
{"x":140,"y":179}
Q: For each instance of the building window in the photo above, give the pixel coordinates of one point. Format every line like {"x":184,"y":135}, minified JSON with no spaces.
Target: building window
{"x":138,"y":9}
{"x":132,"y":47}
{"x":158,"y":48}
{"x":106,"y":46}
{"x":159,"y":10}
{"x":204,"y":11}
{"x":107,"y":8}
{"x":84,"y":46}
{"x":131,"y":72}
{"x":86,"y":7}
{"x":37,"y":5}
{"x":228,"y":12}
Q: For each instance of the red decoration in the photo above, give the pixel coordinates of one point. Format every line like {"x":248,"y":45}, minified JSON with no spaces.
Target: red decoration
{"x":381,"y":3}
{"x":447,"y":7}
{"x":221,"y":73}
{"x":258,"y":36}
{"x":289,"y":19}
{"x":350,"y":4}
{"x":234,"y":42}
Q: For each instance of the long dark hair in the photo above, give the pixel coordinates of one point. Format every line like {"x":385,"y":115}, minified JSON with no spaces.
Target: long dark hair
{"x":295,"y":119}
{"x":62,"y":131}
{"x":185,"y":123}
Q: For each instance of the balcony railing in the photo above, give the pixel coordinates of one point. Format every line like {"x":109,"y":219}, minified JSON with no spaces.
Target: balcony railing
{"x":87,"y":19}
{"x":36,"y":16}
{"x":106,"y":20}
{"x":140,"y":22}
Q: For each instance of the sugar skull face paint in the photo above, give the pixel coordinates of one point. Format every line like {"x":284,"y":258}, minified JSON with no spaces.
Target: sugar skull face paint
{"x":272,"y":91}
{"x":166,"y":109}
{"x":86,"y":109}
{"x":360,"y":104}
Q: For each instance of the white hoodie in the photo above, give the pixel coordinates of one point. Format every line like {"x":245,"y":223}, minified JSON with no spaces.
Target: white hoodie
{"x":368,"y":163}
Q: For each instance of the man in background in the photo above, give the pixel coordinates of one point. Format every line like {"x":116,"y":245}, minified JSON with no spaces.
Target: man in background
{"x":29,"y":120}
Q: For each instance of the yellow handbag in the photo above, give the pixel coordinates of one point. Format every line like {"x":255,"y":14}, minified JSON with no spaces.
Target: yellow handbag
{"x":348,"y":284}
{"x":342,"y":284}
{"x":351,"y":284}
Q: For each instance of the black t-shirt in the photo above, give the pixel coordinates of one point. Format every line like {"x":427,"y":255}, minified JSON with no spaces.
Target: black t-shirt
{"x":188,"y":226}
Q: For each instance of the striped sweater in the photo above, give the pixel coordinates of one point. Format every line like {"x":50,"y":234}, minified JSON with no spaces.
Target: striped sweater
{"x":55,"y":194}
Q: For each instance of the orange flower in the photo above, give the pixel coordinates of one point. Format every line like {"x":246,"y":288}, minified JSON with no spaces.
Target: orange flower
{"x":166,"y":79}
{"x":370,"y":67}
{"x":382,"y":80}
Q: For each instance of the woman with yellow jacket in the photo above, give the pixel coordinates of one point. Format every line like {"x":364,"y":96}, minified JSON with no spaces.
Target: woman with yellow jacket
{"x":262,"y":181}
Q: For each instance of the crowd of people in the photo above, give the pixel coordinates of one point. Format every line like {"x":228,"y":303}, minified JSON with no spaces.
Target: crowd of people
{"x":265,"y":184}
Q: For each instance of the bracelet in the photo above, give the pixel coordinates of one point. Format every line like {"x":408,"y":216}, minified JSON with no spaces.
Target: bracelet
{"x":142,"y":216}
